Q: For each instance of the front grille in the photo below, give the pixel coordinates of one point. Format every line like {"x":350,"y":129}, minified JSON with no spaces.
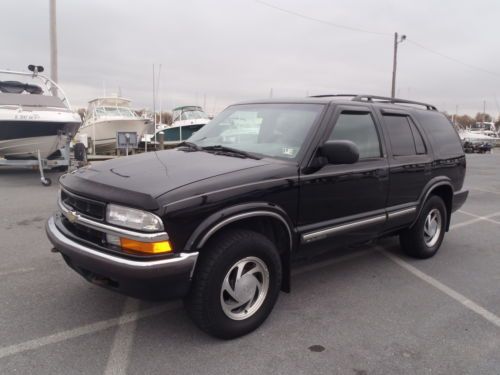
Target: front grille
{"x":84,"y":232}
{"x":85,"y":206}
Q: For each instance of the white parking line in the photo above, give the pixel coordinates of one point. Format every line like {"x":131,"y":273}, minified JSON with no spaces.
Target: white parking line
{"x":479,"y":218}
{"x":19,"y":270}
{"x":486,"y":190}
{"x":130,"y":317}
{"x":124,"y":337}
{"x":86,"y":329}
{"x":488,"y":315}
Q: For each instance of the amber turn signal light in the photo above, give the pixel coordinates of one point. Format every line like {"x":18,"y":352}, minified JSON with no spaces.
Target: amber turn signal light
{"x":145,"y":247}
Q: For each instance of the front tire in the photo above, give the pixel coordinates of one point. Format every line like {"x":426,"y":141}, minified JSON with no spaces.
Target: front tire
{"x":235,"y":285}
{"x":424,"y":238}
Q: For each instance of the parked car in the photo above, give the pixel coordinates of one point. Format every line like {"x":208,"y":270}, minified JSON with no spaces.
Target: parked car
{"x":217,"y":220}
{"x":477,"y":147}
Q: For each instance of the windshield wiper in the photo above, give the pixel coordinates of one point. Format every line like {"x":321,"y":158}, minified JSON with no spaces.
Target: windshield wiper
{"x":190,"y":145}
{"x":229,"y":151}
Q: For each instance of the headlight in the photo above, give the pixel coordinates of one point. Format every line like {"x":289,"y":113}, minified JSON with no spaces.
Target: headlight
{"x":132,"y":218}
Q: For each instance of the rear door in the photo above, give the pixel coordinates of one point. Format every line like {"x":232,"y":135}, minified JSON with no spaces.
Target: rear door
{"x":347,"y":202}
{"x":410,"y":164}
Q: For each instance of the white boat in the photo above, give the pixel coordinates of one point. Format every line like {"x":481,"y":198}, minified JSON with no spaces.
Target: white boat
{"x":187,"y":120}
{"x":35,"y":116}
{"x":107,"y":116}
{"x":481,"y":132}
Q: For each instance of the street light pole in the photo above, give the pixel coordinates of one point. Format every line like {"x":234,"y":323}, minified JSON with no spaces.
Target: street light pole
{"x":395,"y":62}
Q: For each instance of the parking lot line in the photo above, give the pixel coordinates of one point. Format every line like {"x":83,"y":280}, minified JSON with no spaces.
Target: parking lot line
{"x":86,"y":329}
{"x":486,"y":190}
{"x":133,"y":316}
{"x":488,"y":315}
{"x":479,"y":218}
{"x":119,"y":355}
{"x":19,"y":270}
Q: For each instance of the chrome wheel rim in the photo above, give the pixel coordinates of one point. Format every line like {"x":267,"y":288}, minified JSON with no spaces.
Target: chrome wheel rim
{"x":244,"y":288}
{"x":432,"y":227}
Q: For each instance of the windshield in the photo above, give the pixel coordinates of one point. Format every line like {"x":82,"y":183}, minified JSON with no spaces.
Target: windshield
{"x":276,"y":130}
{"x":114,"y":111}
{"x":193,"y":113}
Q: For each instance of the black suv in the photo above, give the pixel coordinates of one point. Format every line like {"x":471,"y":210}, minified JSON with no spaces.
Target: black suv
{"x":218,"y":219}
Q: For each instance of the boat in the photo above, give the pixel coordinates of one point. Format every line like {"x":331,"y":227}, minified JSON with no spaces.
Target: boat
{"x":481,"y":132}
{"x":105,"y":117}
{"x":186,"y":121}
{"x":36,"y":117}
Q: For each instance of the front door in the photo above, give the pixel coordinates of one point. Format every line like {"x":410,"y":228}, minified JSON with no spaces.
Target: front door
{"x":347,"y":202}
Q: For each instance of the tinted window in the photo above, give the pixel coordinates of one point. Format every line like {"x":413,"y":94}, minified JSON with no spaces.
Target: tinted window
{"x":400,"y":135}
{"x":417,"y":137}
{"x":360,"y":129}
{"x":440,"y":132}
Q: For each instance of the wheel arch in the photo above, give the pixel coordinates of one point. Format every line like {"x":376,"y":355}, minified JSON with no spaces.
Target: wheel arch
{"x":443,"y":188}
{"x":265,"y":218}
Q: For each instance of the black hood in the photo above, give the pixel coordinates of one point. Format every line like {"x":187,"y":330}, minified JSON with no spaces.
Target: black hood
{"x":138,"y":180}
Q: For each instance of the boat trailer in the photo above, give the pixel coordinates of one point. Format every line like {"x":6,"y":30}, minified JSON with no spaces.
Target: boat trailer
{"x":63,"y":163}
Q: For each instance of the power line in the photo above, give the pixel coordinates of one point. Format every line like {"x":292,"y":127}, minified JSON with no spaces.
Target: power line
{"x":320,"y":20}
{"x":345,"y":27}
{"x":452,"y":58}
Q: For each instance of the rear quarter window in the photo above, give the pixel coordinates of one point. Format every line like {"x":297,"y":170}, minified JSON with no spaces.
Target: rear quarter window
{"x":441,"y":133}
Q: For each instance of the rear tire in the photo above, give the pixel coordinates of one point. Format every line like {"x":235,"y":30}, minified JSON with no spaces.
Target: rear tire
{"x":235,"y":285}
{"x":424,"y":238}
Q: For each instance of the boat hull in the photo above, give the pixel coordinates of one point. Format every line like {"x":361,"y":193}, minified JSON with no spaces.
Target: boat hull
{"x":23,"y":139}
{"x":103,"y":133}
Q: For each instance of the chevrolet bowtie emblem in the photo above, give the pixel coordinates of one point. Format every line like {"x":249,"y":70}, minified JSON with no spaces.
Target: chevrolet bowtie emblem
{"x":71,"y":216}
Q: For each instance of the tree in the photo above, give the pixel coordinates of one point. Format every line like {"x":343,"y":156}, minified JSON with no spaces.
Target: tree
{"x":464,"y":121}
{"x":166,"y":118}
{"x":483,"y":117}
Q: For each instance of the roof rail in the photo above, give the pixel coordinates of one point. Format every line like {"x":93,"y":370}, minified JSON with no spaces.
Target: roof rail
{"x":333,"y":95}
{"x":385,"y":99}
{"x":379,"y":99}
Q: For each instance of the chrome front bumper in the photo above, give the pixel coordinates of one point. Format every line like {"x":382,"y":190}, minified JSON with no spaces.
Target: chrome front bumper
{"x":138,"y":278}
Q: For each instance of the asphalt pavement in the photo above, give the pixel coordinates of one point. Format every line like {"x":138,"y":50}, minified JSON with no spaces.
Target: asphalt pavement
{"x":364,"y":310}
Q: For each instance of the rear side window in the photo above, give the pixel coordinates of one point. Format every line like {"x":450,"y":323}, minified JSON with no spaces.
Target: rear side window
{"x":404,"y":136}
{"x":360,"y":129}
{"x":440,"y":132}
{"x":417,"y":137}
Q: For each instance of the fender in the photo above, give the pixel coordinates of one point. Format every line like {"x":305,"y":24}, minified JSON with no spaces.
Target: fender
{"x":426,"y":191}
{"x":220,"y":219}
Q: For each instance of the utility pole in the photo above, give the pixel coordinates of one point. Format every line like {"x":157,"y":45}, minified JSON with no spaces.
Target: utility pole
{"x":53,"y":44}
{"x":157,"y":88}
{"x":395,"y":62}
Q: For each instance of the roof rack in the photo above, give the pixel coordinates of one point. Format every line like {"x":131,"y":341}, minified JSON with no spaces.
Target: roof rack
{"x":379,"y":99}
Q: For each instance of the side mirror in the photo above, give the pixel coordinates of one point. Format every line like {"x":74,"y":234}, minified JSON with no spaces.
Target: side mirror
{"x":340,"y":152}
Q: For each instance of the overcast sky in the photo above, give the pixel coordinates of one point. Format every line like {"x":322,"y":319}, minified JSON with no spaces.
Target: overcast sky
{"x":232,"y":50}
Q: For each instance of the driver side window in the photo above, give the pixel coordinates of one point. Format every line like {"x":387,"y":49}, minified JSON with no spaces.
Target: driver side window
{"x":360,"y":129}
